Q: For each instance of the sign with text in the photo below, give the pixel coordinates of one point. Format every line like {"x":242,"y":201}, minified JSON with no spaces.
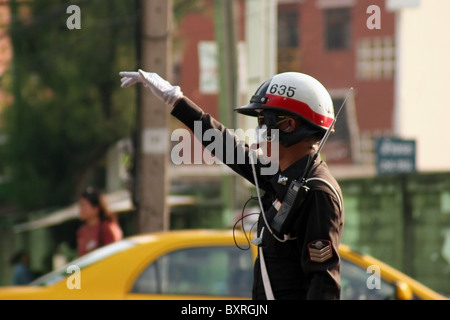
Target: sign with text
{"x":394,"y":155}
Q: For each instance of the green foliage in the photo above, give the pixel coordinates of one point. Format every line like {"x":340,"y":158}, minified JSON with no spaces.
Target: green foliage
{"x":68,"y":105}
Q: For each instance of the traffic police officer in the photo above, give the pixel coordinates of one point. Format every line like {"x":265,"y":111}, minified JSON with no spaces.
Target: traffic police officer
{"x":294,"y":111}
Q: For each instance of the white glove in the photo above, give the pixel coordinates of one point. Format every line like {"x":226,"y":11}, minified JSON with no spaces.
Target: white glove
{"x":161,"y":88}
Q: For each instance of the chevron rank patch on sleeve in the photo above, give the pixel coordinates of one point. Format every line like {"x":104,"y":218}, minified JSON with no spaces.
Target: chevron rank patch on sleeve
{"x":320,"y":250}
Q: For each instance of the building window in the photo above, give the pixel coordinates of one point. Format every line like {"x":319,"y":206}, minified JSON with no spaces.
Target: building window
{"x":288,"y":40}
{"x":288,"y":29}
{"x":337,"y":28}
{"x":376,"y":58}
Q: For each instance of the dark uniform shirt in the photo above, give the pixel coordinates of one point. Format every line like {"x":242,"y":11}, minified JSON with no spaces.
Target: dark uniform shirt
{"x":308,"y":265}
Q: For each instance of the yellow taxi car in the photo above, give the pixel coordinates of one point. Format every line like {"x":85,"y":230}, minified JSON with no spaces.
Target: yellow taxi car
{"x":196,"y":264}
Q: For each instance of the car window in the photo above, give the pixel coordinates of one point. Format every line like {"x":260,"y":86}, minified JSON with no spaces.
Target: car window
{"x":84,"y":261}
{"x":355,"y":287}
{"x":210,"y":271}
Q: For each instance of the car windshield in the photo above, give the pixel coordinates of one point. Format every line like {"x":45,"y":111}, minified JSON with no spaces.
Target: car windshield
{"x":82,"y":262}
{"x":358,"y":284}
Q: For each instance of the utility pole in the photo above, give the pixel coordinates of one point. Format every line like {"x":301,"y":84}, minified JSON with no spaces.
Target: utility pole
{"x":152,"y":183}
{"x":225,"y":32}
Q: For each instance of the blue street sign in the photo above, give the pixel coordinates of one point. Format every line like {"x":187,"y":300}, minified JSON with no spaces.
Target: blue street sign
{"x":394,"y":155}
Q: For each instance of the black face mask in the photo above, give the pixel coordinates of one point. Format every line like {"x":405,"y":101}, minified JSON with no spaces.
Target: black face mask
{"x":305,"y":130}
{"x":270,"y":120}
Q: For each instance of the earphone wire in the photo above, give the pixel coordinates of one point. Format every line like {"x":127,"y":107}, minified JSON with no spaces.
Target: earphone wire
{"x":241,"y":220}
{"x":263,"y":214}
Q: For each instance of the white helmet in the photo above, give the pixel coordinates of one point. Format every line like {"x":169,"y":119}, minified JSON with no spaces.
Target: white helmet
{"x":293,"y":93}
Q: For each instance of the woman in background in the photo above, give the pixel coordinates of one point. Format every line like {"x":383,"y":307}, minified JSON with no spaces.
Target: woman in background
{"x":100,"y":226}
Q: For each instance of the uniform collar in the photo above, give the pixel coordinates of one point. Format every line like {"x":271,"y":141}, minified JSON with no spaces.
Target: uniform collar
{"x":281,"y":181}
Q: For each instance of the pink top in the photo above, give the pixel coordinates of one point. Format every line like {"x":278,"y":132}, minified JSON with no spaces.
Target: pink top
{"x":88,"y":237}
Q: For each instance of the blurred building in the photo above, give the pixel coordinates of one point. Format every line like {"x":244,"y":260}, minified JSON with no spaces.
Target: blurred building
{"x":329,"y":40}
{"x":421,"y":81}
{"x":341,"y":45}
{"x":396,"y":65}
